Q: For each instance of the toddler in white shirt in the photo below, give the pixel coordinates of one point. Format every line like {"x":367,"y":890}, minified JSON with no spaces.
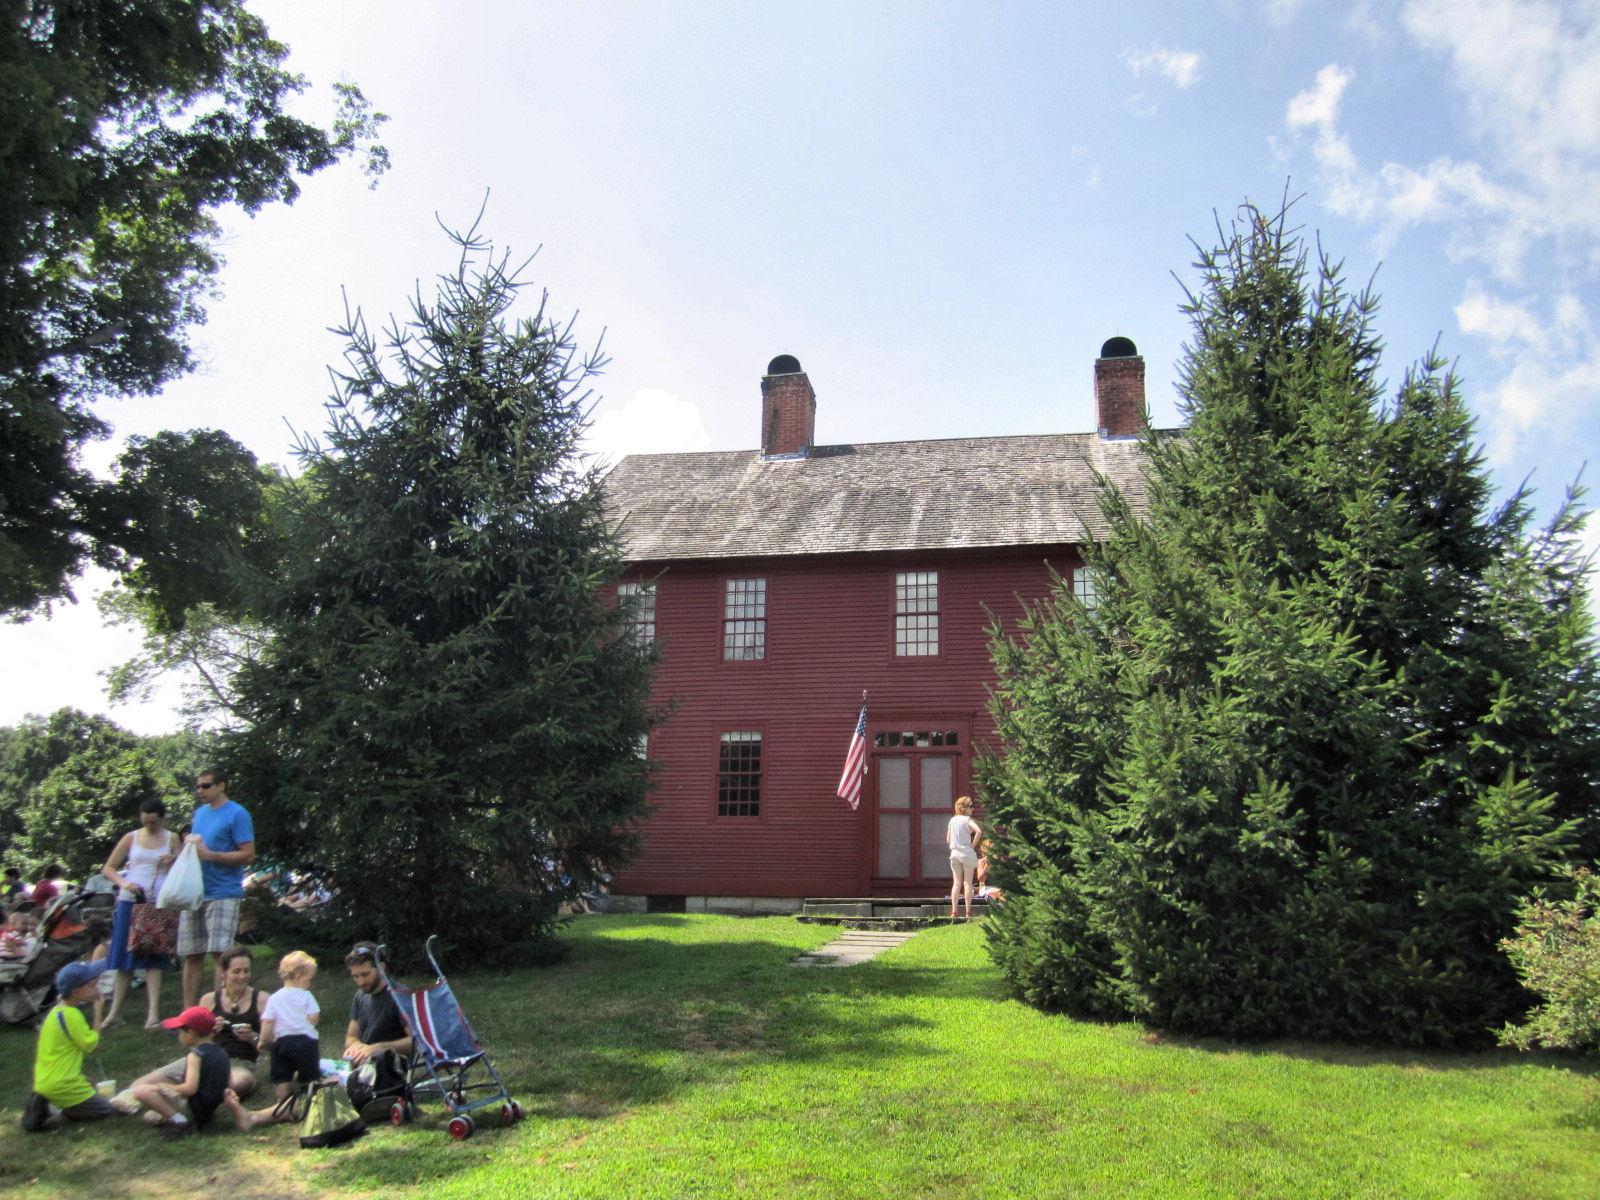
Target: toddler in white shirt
{"x":289,"y":1028}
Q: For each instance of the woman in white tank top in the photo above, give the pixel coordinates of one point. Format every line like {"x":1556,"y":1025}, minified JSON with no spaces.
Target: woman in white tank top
{"x":135,"y":866}
{"x":962,"y":836}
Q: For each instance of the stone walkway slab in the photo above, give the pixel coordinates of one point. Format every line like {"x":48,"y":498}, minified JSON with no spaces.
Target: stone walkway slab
{"x":853,"y":946}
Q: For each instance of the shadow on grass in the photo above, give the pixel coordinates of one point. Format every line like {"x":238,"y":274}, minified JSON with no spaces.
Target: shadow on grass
{"x":641,"y":1011}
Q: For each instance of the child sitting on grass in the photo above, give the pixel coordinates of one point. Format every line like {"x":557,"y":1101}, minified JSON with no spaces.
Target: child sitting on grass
{"x":289,"y":1028}
{"x":205,"y":1077}
{"x":64,"y":1038}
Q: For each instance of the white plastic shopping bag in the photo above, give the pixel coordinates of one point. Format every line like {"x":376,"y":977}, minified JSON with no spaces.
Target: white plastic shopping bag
{"x":184,"y":887}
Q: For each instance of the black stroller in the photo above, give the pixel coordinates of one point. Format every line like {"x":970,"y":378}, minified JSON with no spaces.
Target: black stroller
{"x":28,"y":985}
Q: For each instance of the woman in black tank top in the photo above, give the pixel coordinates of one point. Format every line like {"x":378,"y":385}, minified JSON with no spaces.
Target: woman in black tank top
{"x":237,"y":1006}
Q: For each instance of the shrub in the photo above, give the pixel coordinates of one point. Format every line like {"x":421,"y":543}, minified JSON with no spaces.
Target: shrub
{"x":1556,"y":951}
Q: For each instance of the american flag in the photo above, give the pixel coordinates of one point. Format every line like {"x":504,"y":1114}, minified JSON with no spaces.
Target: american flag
{"x":855,"y":762}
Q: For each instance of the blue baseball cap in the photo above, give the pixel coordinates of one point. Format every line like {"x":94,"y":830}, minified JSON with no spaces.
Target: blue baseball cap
{"x":75,"y":974}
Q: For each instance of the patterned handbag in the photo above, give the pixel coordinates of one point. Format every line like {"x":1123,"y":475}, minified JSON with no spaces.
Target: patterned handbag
{"x":153,"y":930}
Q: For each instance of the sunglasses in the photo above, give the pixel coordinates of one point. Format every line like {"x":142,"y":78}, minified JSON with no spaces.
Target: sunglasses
{"x":205,"y":787}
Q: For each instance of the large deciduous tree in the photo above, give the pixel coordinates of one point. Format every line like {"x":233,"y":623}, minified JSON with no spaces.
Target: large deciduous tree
{"x":71,"y":785}
{"x":124,"y":128}
{"x":444,"y":725}
{"x":1333,"y":713}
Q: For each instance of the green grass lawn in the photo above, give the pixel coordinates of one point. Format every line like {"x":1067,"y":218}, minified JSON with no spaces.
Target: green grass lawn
{"x":681,"y":1056}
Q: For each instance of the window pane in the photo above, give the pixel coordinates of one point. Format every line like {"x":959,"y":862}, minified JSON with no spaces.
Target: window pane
{"x":938,"y":785}
{"x":1083,"y":588}
{"x":935,"y":854}
{"x":739,"y":775}
{"x":642,"y":598}
{"x":916,"y":609}
{"x":894,"y":845}
{"x":894,"y":783}
{"x":744,"y":619}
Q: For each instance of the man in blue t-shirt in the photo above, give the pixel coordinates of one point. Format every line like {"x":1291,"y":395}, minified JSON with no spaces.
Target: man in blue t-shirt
{"x":225,"y":839}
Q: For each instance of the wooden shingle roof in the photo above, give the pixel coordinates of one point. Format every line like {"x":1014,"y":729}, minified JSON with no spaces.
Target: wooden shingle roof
{"x":955,"y":493}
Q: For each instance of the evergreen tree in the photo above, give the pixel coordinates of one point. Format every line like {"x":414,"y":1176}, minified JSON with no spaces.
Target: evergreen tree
{"x":443,"y":724}
{"x":1331,"y":715}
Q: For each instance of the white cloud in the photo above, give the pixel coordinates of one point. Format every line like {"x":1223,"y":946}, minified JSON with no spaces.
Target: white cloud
{"x":1525,"y":72}
{"x":1179,"y":67}
{"x":1504,"y":323}
{"x":655,"y":421}
{"x":1591,"y":546}
{"x":1319,"y":105}
{"x":1540,"y":390}
{"x":1140,"y":105}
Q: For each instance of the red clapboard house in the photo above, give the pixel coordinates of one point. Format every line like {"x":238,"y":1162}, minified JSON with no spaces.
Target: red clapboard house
{"x":782,"y":583}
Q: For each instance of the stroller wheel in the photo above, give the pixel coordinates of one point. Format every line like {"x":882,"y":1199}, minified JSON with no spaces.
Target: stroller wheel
{"x":398,"y":1114}
{"x":516,"y":1111}
{"x":510,"y":1112}
{"x":460,"y":1128}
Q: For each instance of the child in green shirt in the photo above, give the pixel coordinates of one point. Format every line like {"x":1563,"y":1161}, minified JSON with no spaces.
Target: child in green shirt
{"x":64,"y":1038}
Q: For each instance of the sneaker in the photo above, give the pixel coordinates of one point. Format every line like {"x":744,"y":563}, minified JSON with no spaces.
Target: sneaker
{"x":35,"y":1113}
{"x":173,"y":1130}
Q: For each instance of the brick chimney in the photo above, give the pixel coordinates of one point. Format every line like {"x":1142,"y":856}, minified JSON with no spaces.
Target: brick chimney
{"x":1119,"y":390}
{"x":788,"y":410}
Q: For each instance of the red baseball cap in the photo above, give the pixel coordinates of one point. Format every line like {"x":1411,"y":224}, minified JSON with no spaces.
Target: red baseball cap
{"x":195,"y":1020}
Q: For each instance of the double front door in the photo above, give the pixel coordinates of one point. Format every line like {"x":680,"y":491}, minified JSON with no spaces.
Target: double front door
{"x":915,"y":800}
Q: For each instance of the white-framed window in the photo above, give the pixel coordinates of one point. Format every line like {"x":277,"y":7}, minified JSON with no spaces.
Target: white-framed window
{"x":1083,"y":588}
{"x":642,"y":598}
{"x":744,"y":619}
{"x":739,"y":775}
{"x":916,"y":613}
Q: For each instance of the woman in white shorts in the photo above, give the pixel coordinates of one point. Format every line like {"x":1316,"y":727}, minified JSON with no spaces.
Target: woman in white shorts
{"x":962,"y":836}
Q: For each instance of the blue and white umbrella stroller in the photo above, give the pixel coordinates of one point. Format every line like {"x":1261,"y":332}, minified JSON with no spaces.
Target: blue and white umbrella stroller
{"x":449,"y":1059}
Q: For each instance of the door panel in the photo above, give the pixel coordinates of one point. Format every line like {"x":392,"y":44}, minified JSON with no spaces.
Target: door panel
{"x":894,"y":818}
{"x":935,"y":805}
{"x":915,"y":797}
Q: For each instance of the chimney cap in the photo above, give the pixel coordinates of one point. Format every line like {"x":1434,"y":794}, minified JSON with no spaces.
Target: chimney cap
{"x":1119,"y":347}
{"x":785,"y":364}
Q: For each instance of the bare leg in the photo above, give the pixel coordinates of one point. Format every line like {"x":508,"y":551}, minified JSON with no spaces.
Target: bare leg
{"x":247,"y":1120}
{"x":119,"y":995}
{"x":152,"y":991}
{"x":243,"y":1079}
{"x":966,"y":892}
{"x":955,"y":886}
{"x":193,"y":966}
{"x":153,"y":1097}
{"x":242,"y":1116}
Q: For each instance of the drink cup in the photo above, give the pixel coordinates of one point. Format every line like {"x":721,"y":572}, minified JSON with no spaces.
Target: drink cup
{"x":106,"y":1088}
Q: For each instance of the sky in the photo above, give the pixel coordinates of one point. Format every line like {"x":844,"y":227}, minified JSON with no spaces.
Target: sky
{"x":943,"y":209}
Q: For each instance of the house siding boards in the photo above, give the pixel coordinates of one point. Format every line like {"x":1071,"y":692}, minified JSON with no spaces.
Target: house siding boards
{"x":830,"y":634}
{"x":828,"y":528}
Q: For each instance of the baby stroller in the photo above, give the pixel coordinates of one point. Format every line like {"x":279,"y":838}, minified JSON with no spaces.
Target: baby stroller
{"x":448,"y":1059}
{"x":28,"y":985}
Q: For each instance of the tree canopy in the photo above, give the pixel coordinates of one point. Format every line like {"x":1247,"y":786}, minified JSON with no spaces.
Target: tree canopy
{"x":1332,"y":714}
{"x":71,"y":785}
{"x":443,"y":723}
{"x":124,"y":129}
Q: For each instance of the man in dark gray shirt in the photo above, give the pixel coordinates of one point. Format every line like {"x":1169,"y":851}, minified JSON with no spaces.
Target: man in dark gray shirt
{"x":375,"y":1024}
